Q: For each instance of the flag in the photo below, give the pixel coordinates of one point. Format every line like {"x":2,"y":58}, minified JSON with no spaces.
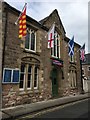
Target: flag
{"x":82,"y":52}
{"x":51,"y":36}
{"x":22,"y":23}
{"x":71,"y":47}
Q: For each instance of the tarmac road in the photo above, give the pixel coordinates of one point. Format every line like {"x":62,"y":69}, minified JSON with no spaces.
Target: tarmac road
{"x":76,"y":110}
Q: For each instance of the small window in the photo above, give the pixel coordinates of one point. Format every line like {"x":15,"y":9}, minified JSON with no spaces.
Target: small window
{"x":7,"y":75}
{"x":30,"y":43}
{"x":15,"y":76}
{"x":11,"y":75}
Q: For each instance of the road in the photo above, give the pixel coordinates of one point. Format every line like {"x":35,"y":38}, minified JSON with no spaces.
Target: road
{"x":79,"y":109}
{"x":74,"y":110}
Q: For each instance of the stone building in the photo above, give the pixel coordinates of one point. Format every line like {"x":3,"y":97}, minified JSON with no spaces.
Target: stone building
{"x":86,"y":73}
{"x":31,"y":71}
{"x":86,"y":66}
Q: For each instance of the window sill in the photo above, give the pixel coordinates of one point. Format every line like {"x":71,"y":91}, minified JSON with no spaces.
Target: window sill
{"x":32,"y":52}
{"x":73,"y":87}
{"x":72,"y":62}
{"x":28,"y":91}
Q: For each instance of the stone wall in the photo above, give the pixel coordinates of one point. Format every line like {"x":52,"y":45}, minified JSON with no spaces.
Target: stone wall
{"x":14,"y":55}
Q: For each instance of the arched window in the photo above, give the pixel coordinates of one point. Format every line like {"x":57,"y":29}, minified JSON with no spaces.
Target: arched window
{"x":55,"y":51}
{"x":30,"y":42}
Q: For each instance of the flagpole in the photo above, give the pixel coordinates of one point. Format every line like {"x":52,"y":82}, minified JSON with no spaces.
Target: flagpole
{"x":81,"y":77}
{"x":20,"y":14}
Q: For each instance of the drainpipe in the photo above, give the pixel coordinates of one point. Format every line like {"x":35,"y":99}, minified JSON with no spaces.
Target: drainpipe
{"x":81,"y":77}
{"x":5,"y":37}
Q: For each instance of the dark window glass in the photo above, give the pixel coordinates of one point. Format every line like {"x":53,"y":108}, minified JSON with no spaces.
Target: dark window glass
{"x":22,"y":76}
{"x":15,"y":76}
{"x":32,"y":41}
{"x":29,"y":69}
{"x":21,"y":84}
{"x":22,"y":67}
{"x":28,"y":84}
{"x":29,"y":76}
{"x":27,"y":40}
{"x":35,"y":83}
{"x":35,"y":76}
{"x":35,"y":70}
{"x":58,"y":51}
{"x":7,"y":75}
{"x":54,"y":48}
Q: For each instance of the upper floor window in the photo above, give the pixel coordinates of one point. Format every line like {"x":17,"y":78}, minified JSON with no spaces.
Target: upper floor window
{"x":30,"y":43}
{"x":55,"y":51}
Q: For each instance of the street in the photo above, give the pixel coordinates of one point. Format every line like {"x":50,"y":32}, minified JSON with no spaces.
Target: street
{"x":77,"y":110}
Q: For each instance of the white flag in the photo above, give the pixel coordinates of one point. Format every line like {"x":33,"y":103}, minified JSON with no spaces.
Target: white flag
{"x":51,"y":36}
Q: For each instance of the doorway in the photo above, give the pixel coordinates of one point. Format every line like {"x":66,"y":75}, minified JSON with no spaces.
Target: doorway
{"x":54,"y":83}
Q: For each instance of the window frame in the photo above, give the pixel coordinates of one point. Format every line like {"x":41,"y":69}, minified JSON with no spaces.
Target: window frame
{"x":30,"y":41}
{"x":11,"y":75}
{"x":37,"y":78}
{"x":24,"y":79}
{"x":29,"y":88}
{"x":56,"y":45}
{"x":25,"y":83}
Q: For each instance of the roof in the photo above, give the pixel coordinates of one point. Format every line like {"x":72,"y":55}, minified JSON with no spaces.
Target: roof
{"x":46,"y":18}
{"x":87,"y":59}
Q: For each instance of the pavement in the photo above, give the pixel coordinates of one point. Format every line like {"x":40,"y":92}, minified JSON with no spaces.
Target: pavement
{"x":13,"y":112}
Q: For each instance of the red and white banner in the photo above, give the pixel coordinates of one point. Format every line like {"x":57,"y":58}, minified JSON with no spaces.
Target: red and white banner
{"x":51,"y":37}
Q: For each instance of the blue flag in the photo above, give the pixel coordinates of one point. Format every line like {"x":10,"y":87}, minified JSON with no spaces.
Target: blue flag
{"x":71,"y":47}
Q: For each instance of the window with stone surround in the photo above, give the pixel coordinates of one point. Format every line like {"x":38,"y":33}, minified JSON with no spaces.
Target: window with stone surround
{"x":30,"y":42}
{"x":29,"y":77}
{"x":55,"y":51}
{"x":73,"y":79}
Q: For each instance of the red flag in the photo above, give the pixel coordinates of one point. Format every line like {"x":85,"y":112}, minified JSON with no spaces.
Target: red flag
{"x":51,"y":37}
{"x":82,"y":52}
{"x":22,"y":24}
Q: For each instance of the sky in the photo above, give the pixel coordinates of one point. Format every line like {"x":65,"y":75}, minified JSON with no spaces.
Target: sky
{"x":73,"y":14}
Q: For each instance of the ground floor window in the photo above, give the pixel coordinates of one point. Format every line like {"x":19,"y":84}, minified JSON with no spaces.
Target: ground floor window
{"x":29,"y":76}
{"x":73,"y":78}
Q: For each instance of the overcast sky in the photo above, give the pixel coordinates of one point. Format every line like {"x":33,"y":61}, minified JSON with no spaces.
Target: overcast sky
{"x":73,"y":14}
